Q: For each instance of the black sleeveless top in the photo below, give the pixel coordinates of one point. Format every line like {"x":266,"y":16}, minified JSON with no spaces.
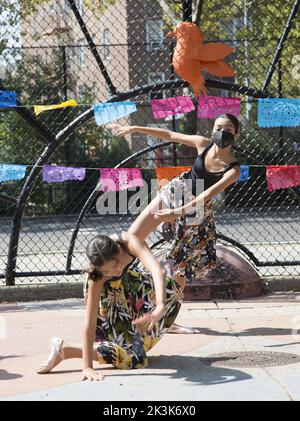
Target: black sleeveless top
{"x":199,"y":172}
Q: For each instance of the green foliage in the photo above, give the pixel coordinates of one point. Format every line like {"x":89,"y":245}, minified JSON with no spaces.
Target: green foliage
{"x":21,"y":144}
{"x":253,"y":29}
{"x":29,"y":7}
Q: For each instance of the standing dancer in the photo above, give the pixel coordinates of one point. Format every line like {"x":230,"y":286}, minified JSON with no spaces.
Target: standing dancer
{"x":136,"y":307}
{"x":192,"y":251}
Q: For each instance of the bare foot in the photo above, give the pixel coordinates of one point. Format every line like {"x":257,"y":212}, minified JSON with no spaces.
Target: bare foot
{"x":181,"y":329}
{"x":55,"y":357}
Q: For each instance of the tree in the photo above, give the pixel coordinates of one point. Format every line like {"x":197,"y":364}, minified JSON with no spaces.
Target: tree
{"x":20,"y":143}
{"x":253,"y":28}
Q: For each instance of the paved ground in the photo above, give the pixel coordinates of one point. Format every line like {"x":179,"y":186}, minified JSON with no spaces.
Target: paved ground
{"x":246,"y":350}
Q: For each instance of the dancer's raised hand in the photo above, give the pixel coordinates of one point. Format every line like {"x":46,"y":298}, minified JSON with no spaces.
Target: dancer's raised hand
{"x":148,"y":321}
{"x":118,"y":130}
{"x":168,"y":215}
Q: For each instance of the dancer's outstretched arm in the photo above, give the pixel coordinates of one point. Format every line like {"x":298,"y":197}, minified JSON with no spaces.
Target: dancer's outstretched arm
{"x":193,"y":141}
{"x":88,"y":373}
{"x":229,"y":178}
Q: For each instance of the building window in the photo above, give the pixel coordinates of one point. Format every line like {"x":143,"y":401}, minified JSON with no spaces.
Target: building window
{"x":154,"y":78}
{"x":79,"y":5}
{"x":82,"y":92}
{"x":107,"y":91}
{"x":69,"y":53}
{"x":37,"y":25}
{"x":106,"y":44}
{"x":154,"y":159}
{"x":155,"y":35}
{"x":81,"y":53}
{"x":61,"y":9}
{"x":65,"y":12}
{"x":95,"y":91}
{"x":232,"y":30}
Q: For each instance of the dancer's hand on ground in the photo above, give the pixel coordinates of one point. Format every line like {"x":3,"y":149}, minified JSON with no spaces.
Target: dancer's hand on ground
{"x":148,"y":321}
{"x":91,"y":374}
{"x":168,"y":215}
{"x":118,"y":130}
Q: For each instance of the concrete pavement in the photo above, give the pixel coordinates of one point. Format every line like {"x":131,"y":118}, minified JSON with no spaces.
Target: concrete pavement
{"x":246,"y":350}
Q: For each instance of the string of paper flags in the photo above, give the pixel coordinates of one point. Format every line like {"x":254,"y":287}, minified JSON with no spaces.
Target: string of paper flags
{"x":272,"y":112}
{"x":116,"y":179}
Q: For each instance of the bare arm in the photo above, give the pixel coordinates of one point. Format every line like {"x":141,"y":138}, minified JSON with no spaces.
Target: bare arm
{"x":90,"y":322}
{"x":193,"y":141}
{"x":229,"y":178}
{"x":143,"y":253}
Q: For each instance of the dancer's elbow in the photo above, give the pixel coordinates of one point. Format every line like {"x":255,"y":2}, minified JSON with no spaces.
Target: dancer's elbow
{"x":159,"y":272}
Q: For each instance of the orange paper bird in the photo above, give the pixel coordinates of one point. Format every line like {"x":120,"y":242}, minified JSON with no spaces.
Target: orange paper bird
{"x":191,"y":56}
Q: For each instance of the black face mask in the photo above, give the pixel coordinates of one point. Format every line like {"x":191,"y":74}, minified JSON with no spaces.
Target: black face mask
{"x":223,"y":139}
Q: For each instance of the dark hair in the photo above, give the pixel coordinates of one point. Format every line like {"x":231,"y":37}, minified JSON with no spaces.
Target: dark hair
{"x":100,"y":250}
{"x":233,"y":120}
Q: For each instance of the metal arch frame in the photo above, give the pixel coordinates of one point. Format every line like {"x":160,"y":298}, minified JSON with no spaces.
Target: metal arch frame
{"x":87,"y":206}
{"x":244,"y":249}
{"x":281,"y":42}
{"x":55,"y":141}
{"x":63,"y":135}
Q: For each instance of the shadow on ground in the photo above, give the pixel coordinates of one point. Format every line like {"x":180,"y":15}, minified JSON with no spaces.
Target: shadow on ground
{"x":261,"y":331}
{"x":5,"y":375}
{"x":190,"y":369}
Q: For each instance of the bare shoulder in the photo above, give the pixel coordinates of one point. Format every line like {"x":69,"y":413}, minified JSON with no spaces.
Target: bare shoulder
{"x":134,"y":244}
{"x":130,"y":240}
{"x":94,"y":287}
{"x":121,"y":236}
{"x":124,"y":236}
{"x":202,"y":143}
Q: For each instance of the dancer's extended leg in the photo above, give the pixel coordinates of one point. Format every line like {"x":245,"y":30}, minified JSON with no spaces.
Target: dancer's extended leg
{"x":175,"y":328}
{"x":143,"y":226}
{"x":146,"y":222}
{"x":62,"y":350}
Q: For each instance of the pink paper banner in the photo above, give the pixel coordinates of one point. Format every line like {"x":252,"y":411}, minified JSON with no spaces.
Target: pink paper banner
{"x":163,"y":108}
{"x":116,"y":179}
{"x":213,"y":106}
{"x":282,"y":176}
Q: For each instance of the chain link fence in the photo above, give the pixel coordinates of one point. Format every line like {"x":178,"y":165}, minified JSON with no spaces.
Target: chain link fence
{"x":115,"y":50}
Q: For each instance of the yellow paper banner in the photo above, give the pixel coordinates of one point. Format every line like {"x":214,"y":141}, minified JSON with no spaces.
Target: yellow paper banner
{"x":38,"y":109}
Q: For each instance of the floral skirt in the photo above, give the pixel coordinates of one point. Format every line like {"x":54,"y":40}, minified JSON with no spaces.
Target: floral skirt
{"x":118,"y":341}
{"x":192,"y":252}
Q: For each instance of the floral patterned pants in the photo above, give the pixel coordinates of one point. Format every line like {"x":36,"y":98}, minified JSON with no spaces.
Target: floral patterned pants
{"x":118,"y":341}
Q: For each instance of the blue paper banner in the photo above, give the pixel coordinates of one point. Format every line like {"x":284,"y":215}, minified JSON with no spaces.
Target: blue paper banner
{"x":10,"y":172}
{"x":244,"y":173}
{"x":109,"y":112}
{"x":8,"y":99}
{"x":278,"y":112}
